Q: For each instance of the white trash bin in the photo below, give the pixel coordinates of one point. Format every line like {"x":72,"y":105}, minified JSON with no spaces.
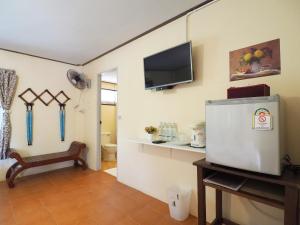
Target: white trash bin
{"x":179,"y":200}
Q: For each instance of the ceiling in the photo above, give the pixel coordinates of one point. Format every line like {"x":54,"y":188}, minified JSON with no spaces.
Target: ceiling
{"x":76,"y":31}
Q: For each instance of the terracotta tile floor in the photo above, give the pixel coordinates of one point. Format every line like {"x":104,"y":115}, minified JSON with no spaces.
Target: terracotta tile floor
{"x":75,"y":197}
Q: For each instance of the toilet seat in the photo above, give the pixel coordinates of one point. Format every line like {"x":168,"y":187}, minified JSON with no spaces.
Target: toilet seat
{"x":110,"y":145}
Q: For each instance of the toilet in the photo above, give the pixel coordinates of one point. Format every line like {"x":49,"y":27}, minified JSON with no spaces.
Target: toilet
{"x":109,"y":150}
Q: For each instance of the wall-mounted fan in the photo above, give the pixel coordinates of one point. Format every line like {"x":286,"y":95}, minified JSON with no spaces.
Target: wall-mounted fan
{"x":78,"y":79}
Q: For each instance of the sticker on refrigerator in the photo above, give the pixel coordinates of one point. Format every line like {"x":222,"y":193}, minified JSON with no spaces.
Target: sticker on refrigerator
{"x":262,"y":119}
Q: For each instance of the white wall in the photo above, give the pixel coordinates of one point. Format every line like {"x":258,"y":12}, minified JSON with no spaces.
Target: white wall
{"x":215,"y":31}
{"x":40,"y":74}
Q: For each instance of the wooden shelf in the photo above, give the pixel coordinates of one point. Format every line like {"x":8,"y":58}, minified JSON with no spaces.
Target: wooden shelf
{"x":278,"y":191}
{"x":258,"y":191}
{"x":169,"y":145}
{"x":288,"y":178}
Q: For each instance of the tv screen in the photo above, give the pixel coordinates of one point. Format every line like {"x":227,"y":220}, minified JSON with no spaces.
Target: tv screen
{"x":169,"y":67}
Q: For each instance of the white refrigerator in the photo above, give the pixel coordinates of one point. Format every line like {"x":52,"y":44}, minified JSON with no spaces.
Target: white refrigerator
{"x":245,"y":133}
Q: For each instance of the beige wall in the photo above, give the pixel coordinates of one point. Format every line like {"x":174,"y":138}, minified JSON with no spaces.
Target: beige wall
{"x":109,"y":115}
{"x":214,"y":30}
{"x":40,"y":74}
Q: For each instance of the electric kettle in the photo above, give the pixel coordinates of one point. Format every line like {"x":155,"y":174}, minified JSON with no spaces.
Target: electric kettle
{"x":198,"y":135}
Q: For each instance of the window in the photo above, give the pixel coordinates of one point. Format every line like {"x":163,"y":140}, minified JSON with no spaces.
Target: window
{"x":108,"y":96}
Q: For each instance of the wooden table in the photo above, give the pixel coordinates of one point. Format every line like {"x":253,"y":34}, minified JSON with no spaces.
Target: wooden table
{"x":280,"y":192}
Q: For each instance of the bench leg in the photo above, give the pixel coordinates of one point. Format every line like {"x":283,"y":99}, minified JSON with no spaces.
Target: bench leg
{"x":82,"y":163}
{"x":76,"y":164}
{"x":9,"y":171}
{"x":11,"y":179}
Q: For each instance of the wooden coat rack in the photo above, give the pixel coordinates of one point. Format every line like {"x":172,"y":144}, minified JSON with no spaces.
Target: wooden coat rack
{"x":29,"y":107}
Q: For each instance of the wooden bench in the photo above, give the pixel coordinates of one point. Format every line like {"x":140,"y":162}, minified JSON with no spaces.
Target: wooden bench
{"x":74,"y":153}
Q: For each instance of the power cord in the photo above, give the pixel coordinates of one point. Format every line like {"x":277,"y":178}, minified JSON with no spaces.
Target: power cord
{"x":262,"y":211}
{"x":288,"y":165}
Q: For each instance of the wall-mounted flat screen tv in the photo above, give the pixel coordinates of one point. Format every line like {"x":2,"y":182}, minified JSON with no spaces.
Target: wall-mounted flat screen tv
{"x":169,"y":67}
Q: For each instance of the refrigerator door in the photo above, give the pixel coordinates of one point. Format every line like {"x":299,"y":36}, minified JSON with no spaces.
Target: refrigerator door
{"x":232,"y":139}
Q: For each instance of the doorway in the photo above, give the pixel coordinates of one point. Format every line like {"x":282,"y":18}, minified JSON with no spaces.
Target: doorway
{"x":108,"y":109}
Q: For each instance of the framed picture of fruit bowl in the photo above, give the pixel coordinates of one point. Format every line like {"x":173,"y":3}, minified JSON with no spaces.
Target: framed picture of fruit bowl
{"x":255,"y":61}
